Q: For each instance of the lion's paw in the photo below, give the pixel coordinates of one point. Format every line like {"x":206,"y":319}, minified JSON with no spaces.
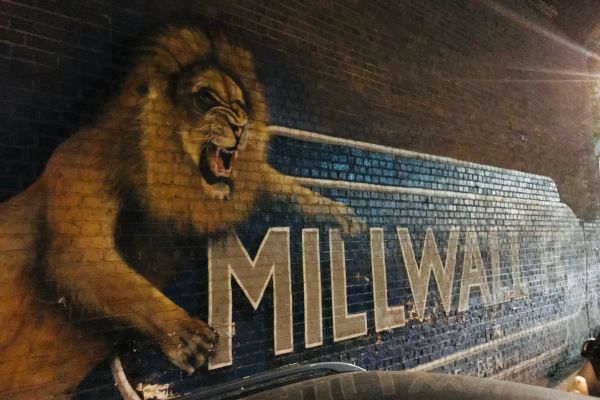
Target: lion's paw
{"x":350,"y":225}
{"x":189,"y":344}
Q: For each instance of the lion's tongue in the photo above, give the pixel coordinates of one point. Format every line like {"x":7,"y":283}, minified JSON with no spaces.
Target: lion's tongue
{"x":215,"y":162}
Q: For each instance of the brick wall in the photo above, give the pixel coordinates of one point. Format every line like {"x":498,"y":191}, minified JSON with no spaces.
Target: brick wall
{"x":413,"y":76}
{"x":458,"y":79}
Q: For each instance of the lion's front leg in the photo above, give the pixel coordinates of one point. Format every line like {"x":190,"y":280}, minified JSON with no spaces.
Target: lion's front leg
{"x":108,"y":287}
{"x":311,"y":204}
{"x":186,"y":341}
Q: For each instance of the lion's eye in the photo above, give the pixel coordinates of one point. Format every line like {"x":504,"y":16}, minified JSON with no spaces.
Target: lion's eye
{"x":205,"y":100}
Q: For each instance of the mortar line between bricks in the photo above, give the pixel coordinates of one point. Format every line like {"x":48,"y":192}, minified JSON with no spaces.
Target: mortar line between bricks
{"x":325,"y":139}
{"x":55,"y":14}
{"x":495,"y":343}
{"x":369,"y":187}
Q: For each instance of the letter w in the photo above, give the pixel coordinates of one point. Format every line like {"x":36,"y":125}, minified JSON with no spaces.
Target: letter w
{"x":419,"y":277}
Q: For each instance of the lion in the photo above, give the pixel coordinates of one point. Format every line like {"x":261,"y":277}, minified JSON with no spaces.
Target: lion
{"x":179,"y":153}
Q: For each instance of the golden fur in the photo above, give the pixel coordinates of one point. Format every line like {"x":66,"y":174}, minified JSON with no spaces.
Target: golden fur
{"x":163,"y":150}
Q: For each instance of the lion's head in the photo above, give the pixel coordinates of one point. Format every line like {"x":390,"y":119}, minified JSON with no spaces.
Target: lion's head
{"x":203,"y":89}
{"x":196,"y":100}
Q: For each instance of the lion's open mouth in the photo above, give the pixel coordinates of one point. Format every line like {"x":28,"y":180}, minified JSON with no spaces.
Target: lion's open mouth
{"x":217,"y":163}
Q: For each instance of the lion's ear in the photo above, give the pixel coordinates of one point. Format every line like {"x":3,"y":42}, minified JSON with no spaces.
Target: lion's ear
{"x":186,"y":45}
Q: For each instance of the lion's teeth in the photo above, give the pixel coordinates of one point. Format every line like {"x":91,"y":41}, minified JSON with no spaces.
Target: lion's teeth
{"x":221,"y":150}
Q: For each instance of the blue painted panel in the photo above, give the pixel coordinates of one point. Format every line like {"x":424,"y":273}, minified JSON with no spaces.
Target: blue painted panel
{"x":489,"y":340}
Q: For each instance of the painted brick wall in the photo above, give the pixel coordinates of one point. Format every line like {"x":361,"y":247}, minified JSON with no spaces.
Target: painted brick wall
{"x":413,"y":76}
{"x":523,"y":335}
{"x":457,"y":79}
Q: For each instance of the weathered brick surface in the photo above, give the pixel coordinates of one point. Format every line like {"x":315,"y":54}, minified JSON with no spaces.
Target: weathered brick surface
{"x":455,"y":79}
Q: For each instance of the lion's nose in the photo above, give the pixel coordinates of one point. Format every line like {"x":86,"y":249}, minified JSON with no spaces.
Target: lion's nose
{"x":237,"y":130}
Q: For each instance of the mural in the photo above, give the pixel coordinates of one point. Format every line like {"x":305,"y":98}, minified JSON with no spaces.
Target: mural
{"x":181,"y":242}
{"x":177,"y":156}
{"x":465,"y":269}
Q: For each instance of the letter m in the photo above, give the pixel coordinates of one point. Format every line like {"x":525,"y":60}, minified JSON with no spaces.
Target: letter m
{"x":229,"y":259}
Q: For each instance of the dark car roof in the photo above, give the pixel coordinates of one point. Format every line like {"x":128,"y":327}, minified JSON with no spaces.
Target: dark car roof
{"x":409,"y":386}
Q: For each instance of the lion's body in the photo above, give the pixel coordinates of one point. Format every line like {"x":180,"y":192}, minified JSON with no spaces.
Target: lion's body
{"x":43,"y":354}
{"x":194,"y":171}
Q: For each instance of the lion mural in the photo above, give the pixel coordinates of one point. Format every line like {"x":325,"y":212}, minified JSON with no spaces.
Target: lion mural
{"x":178,"y":154}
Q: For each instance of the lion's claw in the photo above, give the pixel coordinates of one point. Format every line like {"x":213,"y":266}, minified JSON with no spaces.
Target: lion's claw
{"x":190,"y":344}
{"x":349,"y":224}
